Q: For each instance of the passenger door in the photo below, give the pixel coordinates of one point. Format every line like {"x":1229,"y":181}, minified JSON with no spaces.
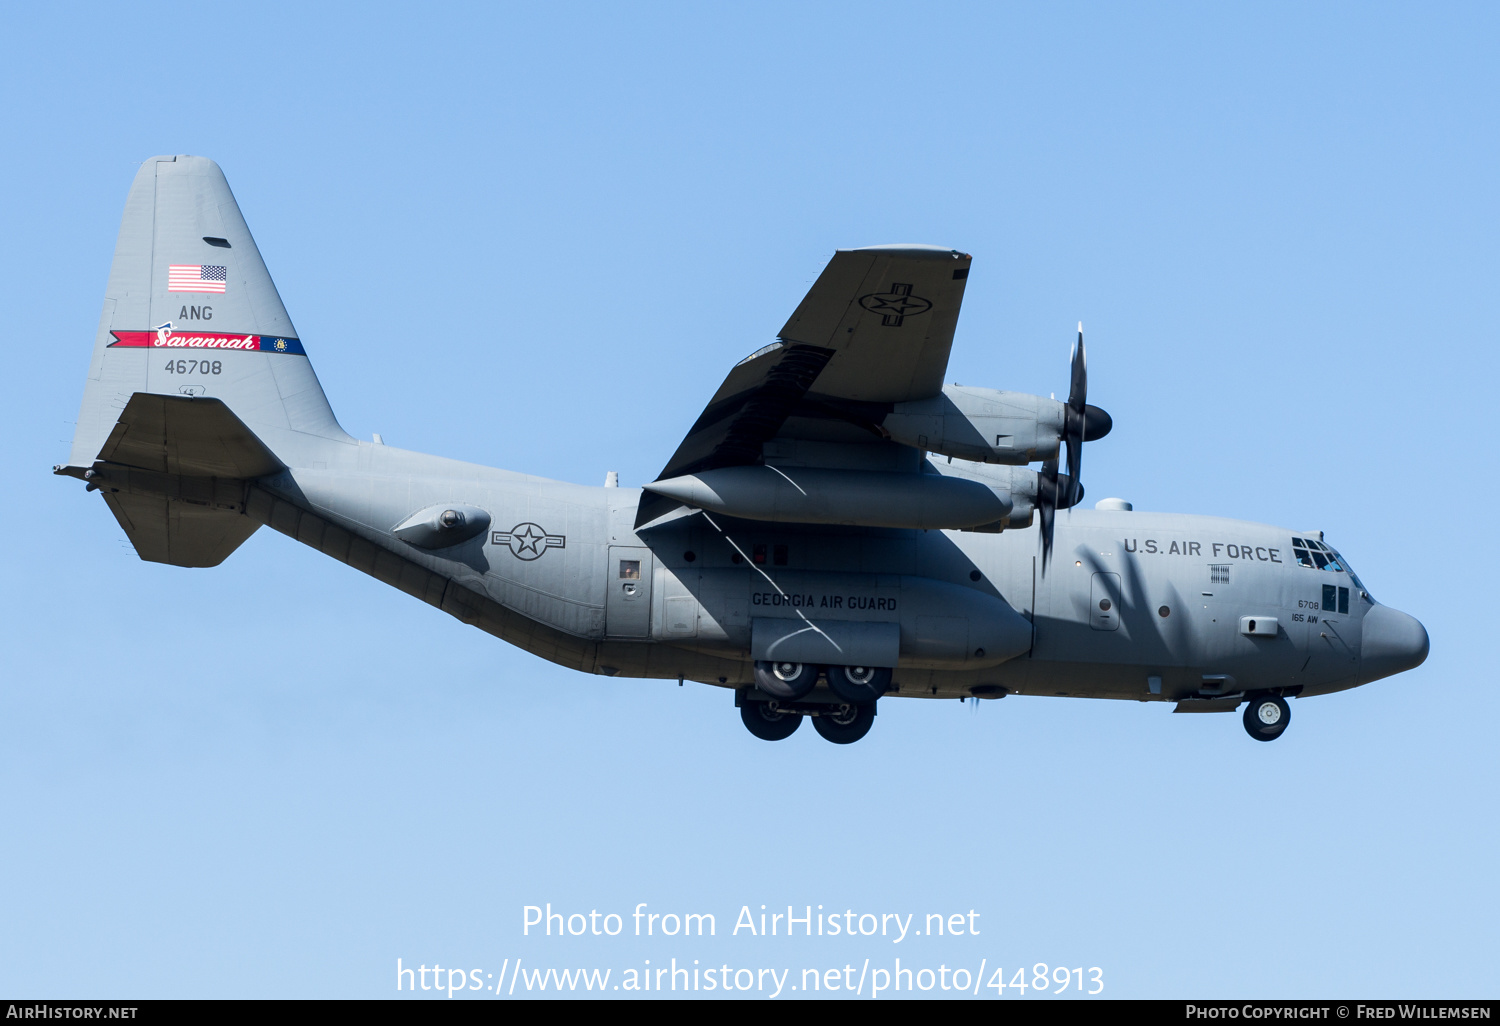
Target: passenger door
{"x":627,"y":600}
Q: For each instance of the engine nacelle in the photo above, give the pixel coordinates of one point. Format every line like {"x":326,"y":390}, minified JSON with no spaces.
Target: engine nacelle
{"x":1019,"y":484}
{"x":981,"y":424}
{"x":864,"y":498}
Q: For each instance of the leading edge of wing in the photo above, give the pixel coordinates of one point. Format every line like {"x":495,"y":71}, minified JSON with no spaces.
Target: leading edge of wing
{"x":874,"y":329}
{"x":749,"y":408}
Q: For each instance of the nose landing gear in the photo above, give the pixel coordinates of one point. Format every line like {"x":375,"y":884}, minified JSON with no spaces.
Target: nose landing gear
{"x":1266,"y":717}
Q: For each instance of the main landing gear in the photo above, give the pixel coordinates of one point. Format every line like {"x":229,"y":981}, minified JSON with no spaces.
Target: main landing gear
{"x":1267,"y":716}
{"x":768,"y":721}
{"x":786,"y":681}
{"x":859,"y":684}
{"x":842,"y":721}
{"x":845,"y":724}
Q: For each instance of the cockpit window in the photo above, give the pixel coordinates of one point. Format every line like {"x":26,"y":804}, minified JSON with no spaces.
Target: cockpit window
{"x":1313,"y":554}
{"x":1355,"y":578}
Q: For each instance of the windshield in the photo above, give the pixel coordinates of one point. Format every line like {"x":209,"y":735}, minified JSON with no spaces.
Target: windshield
{"x":1314,"y":554}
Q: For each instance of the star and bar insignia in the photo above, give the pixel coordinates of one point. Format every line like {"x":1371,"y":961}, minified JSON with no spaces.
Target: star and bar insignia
{"x":528,"y":541}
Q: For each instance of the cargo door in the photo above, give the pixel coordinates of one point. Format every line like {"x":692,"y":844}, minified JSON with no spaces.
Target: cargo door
{"x":627,"y":600}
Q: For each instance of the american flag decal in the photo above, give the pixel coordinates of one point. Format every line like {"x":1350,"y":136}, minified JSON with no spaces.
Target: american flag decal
{"x":196,"y":278}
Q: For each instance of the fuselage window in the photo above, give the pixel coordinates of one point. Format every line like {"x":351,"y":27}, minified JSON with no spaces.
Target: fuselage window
{"x":630,"y":569}
{"x":1335,"y":599}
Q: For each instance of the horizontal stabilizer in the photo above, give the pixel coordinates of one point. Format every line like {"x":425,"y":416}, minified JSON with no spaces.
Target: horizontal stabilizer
{"x":182,"y":435}
{"x":175,"y":471}
{"x":178,"y":532}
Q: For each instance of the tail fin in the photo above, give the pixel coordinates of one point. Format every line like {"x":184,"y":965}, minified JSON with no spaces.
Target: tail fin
{"x":191,"y":311}
{"x":196,"y":364}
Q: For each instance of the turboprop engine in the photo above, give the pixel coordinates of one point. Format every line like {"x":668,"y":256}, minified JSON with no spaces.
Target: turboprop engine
{"x":960,"y":422}
{"x":993,"y":433}
{"x":947,"y":498}
{"x":989,"y":426}
{"x":867,"y":498}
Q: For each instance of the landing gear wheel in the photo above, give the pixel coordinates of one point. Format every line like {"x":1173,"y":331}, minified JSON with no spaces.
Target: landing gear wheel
{"x":786,"y":681}
{"x":769,"y":723}
{"x":845,"y":724}
{"x":859,"y":683}
{"x":1266,"y":717}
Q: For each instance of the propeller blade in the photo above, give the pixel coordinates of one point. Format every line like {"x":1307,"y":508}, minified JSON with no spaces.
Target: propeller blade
{"x":1078,"y":393}
{"x":1081,"y":422}
{"x":1069,"y":492}
{"x":1075,"y":462}
{"x":1046,"y":502}
{"x":1076,"y":419}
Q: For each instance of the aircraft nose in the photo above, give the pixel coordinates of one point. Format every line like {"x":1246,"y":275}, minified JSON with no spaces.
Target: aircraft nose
{"x":1391,"y":642}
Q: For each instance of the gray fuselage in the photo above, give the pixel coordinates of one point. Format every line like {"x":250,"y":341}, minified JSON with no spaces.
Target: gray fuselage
{"x":1134,"y":605}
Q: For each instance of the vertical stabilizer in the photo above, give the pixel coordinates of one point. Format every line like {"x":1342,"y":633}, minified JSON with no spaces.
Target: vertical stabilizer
{"x":191,"y":311}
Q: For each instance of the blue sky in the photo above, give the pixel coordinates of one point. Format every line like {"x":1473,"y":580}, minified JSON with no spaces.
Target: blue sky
{"x":537,"y":236}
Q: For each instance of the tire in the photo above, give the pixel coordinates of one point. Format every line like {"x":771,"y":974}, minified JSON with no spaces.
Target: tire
{"x":859,"y":683}
{"x":1266,"y":717}
{"x":845,"y":724}
{"x":786,"y":681}
{"x":769,"y":723}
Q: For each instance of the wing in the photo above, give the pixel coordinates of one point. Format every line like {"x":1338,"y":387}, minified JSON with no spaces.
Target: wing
{"x":887,"y":313}
{"x":874,"y":330}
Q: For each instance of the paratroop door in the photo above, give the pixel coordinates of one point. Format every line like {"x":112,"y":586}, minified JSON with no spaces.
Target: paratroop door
{"x":627,"y":600}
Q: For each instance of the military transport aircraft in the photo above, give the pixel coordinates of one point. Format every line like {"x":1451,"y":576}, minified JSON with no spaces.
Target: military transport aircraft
{"x":837,"y":527}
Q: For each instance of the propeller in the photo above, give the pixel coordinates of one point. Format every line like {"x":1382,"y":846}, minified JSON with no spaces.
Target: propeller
{"x":1046,"y":507}
{"x":1054,"y":491}
{"x":1081,"y":423}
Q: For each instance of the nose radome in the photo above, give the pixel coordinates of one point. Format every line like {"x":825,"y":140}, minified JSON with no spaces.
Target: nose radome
{"x":1391,"y":642}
